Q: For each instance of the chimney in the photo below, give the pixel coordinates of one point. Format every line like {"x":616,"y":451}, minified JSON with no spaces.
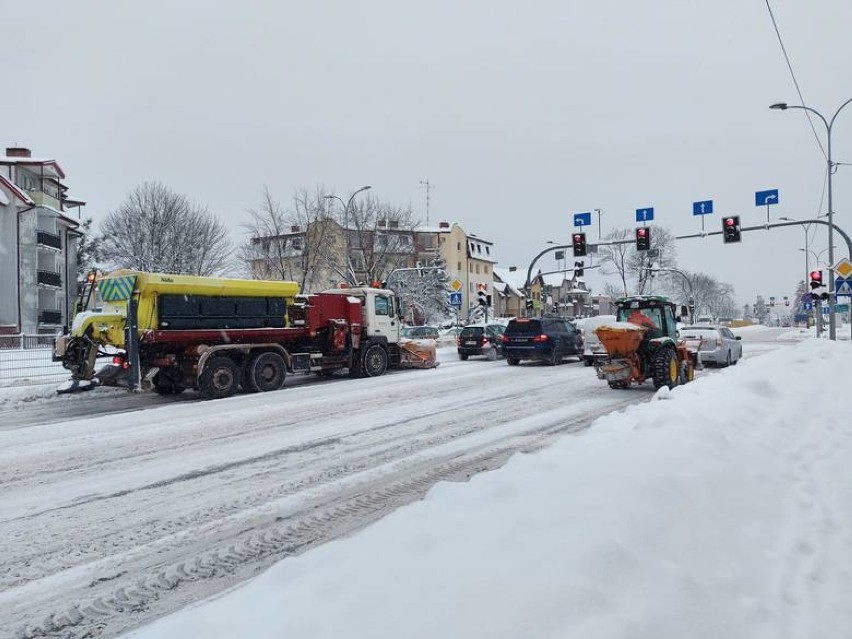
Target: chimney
{"x":18,"y":152}
{"x":394,"y":224}
{"x":443,"y":225}
{"x":295,"y":229}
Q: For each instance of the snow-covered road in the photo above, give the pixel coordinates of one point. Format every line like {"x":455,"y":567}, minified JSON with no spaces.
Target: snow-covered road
{"x":110,"y":521}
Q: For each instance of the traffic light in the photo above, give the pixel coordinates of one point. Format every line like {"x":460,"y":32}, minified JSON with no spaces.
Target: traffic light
{"x":579,"y":244}
{"x":731,"y":229}
{"x":578,"y":268}
{"x":529,"y":305}
{"x":816,"y":279}
{"x":643,"y":239}
{"x":482,"y":298}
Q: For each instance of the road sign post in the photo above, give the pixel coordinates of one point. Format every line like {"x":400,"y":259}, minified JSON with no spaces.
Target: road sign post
{"x":705,"y":207}
{"x":767,"y":199}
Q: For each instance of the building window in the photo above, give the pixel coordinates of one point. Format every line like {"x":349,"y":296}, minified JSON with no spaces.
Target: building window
{"x":458,"y":266}
{"x":488,"y":250}
{"x":470,"y":267}
{"x":477,"y":269}
{"x":458,"y":246}
{"x":485,"y":270}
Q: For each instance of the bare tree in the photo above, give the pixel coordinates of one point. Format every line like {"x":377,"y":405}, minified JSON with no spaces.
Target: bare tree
{"x":379,"y":239}
{"x":711,"y":297}
{"x":640,"y":263}
{"x":158,"y":230}
{"x":290,"y":244}
{"x":614,"y":257}
{"x":624,"y":261}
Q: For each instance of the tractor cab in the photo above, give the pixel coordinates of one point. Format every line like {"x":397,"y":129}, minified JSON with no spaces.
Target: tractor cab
{"x":655,"y":313}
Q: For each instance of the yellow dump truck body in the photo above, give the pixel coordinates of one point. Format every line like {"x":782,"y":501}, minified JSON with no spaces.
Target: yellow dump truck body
{"x":116,"y":288}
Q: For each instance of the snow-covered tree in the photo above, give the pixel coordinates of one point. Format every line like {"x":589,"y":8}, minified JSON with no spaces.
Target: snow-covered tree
{"x":424,"y":290}
{"x":156,"y":229}
{"x":761,"y":311}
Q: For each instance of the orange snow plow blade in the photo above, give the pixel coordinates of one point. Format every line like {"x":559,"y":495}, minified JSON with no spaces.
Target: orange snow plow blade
{"x":418,"y":354}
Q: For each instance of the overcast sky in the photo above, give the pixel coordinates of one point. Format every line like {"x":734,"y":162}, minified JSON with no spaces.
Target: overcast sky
{"x":520,"y":113}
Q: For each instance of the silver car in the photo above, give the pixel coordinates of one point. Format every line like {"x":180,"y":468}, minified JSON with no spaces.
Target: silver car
{"x":716,"y":344}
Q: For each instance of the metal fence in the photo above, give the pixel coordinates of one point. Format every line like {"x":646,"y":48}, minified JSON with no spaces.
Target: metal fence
{"x":26,"y":359}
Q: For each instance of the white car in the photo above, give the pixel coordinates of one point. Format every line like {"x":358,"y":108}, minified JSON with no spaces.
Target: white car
{"x":717,"y":345}
{"x":593,"y":349}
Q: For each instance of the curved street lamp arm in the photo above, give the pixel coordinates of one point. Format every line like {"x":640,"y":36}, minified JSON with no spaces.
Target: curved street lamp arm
{"x":836,"y":113}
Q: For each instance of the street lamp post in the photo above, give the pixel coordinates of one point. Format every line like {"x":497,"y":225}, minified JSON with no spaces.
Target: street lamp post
{"x":599,"y":212}
{"x":832,"y":324}
{"x":350,"y":272}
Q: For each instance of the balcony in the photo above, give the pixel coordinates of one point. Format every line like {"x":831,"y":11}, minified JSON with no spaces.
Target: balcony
{"x":50,"y":317}
{"x":50,"y":240}
{"x":49,"y":278}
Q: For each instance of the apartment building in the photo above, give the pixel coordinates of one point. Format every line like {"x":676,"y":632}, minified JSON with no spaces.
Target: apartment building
{"x":38,"y":244}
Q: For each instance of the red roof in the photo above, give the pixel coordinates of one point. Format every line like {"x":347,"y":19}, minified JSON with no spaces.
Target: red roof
{"x":19,"y":193}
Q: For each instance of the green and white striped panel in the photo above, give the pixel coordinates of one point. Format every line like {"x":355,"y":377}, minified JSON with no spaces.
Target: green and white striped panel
{"x":115,"y":289}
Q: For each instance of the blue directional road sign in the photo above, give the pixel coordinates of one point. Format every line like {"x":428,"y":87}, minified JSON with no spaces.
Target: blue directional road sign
{"x":645,"y":215}
{"x":766,"y":198}
{"x":583,"y":219}
{"x":455,"y":299}
{"x":843,"y":287}
{"x":808,"y":306}
{"x":702,"y":208}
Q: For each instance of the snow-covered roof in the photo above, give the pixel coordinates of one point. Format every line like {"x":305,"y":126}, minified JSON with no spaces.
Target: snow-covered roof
{"x":17,"y":191}
{"x":12,"y":159}
{"x":514,"y":279}
{"x":68,"y":220}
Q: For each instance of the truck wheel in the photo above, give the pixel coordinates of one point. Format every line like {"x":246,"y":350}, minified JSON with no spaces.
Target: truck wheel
{"x":664,"y":368}
{"x":462,"y":357}
{"x":220,"y":378}
{"x":587,"y":361}
{"x":375,"y":361}
{"x":266,"y":372}
{"x":165,"y":384}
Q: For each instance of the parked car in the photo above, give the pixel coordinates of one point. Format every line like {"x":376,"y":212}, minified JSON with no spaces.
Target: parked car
{"x":480,"y":339}
{"x":592,"y":347}
{"x":548,"y":339}
{"x":420,"y":332}
{"x":449,"y":336}
{"x":718,"y":345}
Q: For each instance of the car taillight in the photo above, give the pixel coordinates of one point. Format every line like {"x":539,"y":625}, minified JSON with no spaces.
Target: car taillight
{"x":458,"y":341}
{"x":483,"y":341}
{"x":541,"y":338}
{"x":504,"y":339}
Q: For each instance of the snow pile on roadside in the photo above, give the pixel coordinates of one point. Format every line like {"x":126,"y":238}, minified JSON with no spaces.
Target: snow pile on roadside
{"x":725,"y":511}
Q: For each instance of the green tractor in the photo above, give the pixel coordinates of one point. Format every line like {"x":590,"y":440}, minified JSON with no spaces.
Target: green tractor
{"x":643,"y":344}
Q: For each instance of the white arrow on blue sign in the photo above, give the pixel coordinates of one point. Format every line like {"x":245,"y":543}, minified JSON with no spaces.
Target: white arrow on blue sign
{"x":766,"y":198}
{"x":583,"y":219}
{"x":702,"y":208}
{"x":645,"y":215}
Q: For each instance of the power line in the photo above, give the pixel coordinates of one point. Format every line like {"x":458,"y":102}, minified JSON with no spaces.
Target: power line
{"x":793,"y":75}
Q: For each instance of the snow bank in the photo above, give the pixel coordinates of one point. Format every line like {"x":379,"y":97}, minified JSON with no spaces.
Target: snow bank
{"x":722,"y":510}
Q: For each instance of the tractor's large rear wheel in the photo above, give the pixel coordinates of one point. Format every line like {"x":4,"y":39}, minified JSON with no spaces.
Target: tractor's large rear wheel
{"x":664,"y":368}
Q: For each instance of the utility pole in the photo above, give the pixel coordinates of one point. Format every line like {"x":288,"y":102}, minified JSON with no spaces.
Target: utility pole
{"x":426,"y":185}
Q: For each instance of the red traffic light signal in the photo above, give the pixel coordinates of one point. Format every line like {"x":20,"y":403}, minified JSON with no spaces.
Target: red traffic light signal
{"x":643,"y":239}
{"x":579,"y":242}
{"x":731,"y":229}
{"x":816,"y":279}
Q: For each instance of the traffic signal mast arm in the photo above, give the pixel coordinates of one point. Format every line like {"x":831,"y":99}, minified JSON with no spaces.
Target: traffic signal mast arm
{"x":550,"y":249}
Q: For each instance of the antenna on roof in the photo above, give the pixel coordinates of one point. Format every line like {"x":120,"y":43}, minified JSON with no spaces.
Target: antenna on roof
{"x":428,"y":187}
